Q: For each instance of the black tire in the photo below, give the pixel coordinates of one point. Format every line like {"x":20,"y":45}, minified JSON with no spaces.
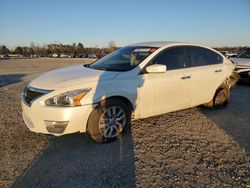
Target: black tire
{"x":222,"y":92}
{"x":221,"y":98}
{"x":93,"y":129}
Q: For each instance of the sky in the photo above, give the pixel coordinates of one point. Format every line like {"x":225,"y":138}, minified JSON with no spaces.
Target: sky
{"x":214,"y":23}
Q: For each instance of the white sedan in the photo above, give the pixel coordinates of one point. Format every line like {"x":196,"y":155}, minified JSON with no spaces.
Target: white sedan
{"x":137,"y":81}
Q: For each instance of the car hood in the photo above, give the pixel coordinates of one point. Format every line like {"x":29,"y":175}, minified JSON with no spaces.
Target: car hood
{"x":65,"y":77}
{"x":241,"y":61}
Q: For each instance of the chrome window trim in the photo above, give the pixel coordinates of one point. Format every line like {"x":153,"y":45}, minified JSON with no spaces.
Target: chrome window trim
{"x":38,"y":90}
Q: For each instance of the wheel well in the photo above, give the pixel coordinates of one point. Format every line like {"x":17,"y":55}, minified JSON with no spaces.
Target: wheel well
{"x":223,"y":86}
{"x":123,"y":99}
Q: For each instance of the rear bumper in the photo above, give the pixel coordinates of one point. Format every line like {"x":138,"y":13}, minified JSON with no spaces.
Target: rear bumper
{"x":48,"y":120}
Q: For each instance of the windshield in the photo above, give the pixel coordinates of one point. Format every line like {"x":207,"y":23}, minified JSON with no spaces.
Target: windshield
{"x":245,"y":54}
{"x":123,"y":59}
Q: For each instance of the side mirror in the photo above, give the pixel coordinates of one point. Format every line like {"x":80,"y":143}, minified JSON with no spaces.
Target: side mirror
{"x":157,"y":68}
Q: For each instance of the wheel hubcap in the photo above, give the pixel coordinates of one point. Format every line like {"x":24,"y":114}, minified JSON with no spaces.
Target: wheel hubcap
{"x":112,"y":122}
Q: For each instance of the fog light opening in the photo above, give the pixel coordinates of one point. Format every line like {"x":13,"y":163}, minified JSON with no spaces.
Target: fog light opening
{"x":57,"y":127}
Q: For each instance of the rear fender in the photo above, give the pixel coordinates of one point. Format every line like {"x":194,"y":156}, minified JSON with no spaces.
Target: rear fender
{"x":231,"y":80}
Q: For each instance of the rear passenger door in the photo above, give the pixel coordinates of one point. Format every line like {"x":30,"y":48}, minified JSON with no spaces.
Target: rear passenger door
{"x":207,"y":73}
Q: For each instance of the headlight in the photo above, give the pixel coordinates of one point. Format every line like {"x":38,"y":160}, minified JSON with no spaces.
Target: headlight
{"x":70,"y":98}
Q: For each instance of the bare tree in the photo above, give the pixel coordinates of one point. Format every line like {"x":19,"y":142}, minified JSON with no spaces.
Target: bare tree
{"x":111,"y":46}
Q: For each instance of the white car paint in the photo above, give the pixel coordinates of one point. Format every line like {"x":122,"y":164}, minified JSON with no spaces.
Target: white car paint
{"x":63,"y":77}
{"x":228,"y":54}
{"x":242,"y":63}
{"x":149,"y":94}
{"x":242,"y":67}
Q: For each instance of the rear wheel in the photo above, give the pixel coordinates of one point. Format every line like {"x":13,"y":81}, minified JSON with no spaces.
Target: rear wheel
{"x":220,"y":99}
{"x":108,"y":121}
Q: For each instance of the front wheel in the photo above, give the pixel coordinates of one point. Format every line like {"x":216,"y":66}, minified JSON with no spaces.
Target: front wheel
{"x":108,"y":120}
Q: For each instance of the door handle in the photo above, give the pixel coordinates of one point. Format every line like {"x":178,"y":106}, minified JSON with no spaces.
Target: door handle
{"x":219,"y":70}
{"x":185,"y":77}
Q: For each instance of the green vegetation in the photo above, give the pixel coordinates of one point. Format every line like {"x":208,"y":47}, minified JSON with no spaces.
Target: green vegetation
{"x":50,"y":49}
{"x":4,"y":50}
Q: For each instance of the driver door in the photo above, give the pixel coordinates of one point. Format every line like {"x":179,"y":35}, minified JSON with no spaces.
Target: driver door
{"x":160,"y":93}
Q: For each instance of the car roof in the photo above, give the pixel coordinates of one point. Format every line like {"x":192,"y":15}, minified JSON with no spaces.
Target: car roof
{"x":163,"y":44}
{"x":158,"y":43}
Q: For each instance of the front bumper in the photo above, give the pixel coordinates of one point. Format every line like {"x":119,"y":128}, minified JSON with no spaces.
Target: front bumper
{"x":48,"y":120}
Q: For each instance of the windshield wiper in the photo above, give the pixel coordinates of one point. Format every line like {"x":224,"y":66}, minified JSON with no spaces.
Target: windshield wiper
{"x":98,"y":68}
{"x":87,"y":65}
{"x":103,"y":69}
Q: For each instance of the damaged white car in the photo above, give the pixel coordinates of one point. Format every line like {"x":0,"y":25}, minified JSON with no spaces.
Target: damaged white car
{"x":140,"y":80}
{"x":243,"y":64}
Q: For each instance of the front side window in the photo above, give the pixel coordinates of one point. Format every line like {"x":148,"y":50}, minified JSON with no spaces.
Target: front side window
{"x":201,"y":56}
{"x":174,"y":58}
{"x":123,"y":59}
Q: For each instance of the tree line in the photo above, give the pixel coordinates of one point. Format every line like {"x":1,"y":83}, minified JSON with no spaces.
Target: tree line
{"x":47,"y":50}
{"x":231,"y":49}
{"x":78,"y":49}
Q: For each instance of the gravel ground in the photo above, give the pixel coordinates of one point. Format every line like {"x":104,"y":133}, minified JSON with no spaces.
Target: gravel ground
{"x":189,"y":148}
{"x":18,"y":145}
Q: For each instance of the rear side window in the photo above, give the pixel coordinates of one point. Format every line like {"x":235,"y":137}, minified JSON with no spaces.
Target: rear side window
{"x":201,"y":56}
{"x":174,"y":58}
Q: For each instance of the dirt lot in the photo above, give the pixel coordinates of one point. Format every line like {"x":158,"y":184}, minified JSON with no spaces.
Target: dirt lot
{"x":194,"y":147}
